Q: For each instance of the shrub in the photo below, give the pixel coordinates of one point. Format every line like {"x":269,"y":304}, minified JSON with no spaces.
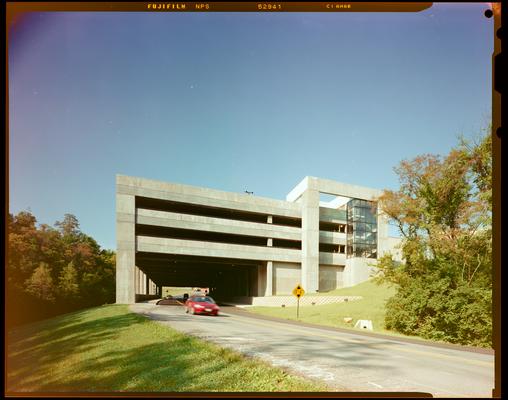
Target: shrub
{"x":432,"y":308}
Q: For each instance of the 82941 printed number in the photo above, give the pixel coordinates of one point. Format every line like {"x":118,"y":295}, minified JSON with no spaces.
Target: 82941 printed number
{"x":269,"y":7}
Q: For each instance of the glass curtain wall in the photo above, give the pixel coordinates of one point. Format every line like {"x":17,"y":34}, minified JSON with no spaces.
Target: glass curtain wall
{"x":361,"y":229}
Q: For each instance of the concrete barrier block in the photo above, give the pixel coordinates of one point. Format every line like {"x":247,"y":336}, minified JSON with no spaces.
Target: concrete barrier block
{"x":364,"y":324}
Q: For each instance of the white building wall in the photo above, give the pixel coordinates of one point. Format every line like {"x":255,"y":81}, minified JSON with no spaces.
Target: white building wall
{"x":358,"y":270}
{"x":285,"y":277}
{"x":330,"y":277}
{"x":391,"y":245}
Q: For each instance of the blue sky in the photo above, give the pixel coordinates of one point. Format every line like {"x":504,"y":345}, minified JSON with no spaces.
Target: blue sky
{"x":234,"y":101}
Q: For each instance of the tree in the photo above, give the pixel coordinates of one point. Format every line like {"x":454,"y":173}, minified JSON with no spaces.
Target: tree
{"x":443,"y":212}
{"x":22,"y":248}
{"x":69,"y":226}
{"x":40,"y":284}
{"x":68,"y":282}
{"x":45,"y":264}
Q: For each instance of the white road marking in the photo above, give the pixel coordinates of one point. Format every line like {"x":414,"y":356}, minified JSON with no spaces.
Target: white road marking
{"x":227,"y":338}
{"x":314,"y":371}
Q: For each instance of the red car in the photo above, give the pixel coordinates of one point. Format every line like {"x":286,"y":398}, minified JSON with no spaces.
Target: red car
{"x":201,"y":305}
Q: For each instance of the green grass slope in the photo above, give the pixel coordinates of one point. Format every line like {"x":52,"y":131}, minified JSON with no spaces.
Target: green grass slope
{"x":110,"y":349}
{"x":372,"y":307}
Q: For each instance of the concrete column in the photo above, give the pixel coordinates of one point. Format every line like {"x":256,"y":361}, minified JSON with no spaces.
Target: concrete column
{"x":146,"y":282}
{"x":125,"y":249}
{"x":138,"y":280}
{"x":135,"y":280}
{"x":269,"y":278}
{"x":261,"y":280}
{"x":310,"y":239}
{"x":269,"y":242}
{"x":140,"y":284}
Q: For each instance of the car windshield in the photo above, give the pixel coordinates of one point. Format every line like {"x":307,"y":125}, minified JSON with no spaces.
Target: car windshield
{"x":203,"y":299}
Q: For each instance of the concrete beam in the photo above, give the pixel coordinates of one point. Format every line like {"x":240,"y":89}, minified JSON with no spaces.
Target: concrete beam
{"x":212,"y":224}
{"x":332,"y":187}
{"x":298,"y":190}
{"x":212,"y":249}
{"x":196,"y":195}
{"x":332,"y":237}
{"x":345,"y":189}
{"x":331,"y":215}
{"x":332,"y":258}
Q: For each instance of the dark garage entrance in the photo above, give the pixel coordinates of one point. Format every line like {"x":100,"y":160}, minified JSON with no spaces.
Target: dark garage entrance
{"x":226,"y":278}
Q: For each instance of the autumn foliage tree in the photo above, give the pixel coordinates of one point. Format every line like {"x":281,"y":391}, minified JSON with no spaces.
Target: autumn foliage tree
{"x":40,"y":284}
{"x":52,"y":270}
{"x":443,"y":211}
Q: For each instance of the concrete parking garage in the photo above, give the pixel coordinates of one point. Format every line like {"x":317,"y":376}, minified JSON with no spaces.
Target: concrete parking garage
{"x":171,"y":234}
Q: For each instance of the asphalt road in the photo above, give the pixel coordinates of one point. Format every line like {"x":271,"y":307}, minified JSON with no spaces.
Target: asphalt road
{"x":344,"y":361}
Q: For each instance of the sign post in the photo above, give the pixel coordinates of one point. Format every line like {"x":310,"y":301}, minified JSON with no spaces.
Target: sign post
{"x":298,"y":292}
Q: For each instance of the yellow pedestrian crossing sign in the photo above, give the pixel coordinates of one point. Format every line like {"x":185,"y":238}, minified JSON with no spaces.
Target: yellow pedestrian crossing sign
{"x":298,"y":291}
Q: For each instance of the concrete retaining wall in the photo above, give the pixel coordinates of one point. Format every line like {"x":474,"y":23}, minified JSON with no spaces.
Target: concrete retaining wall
{"x":145,"y":297}
{"x":290,"y":301}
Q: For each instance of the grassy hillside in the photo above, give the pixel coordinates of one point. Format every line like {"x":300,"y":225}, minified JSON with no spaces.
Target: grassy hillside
{"x":372,"y":307}
{"x":110,"y":349}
